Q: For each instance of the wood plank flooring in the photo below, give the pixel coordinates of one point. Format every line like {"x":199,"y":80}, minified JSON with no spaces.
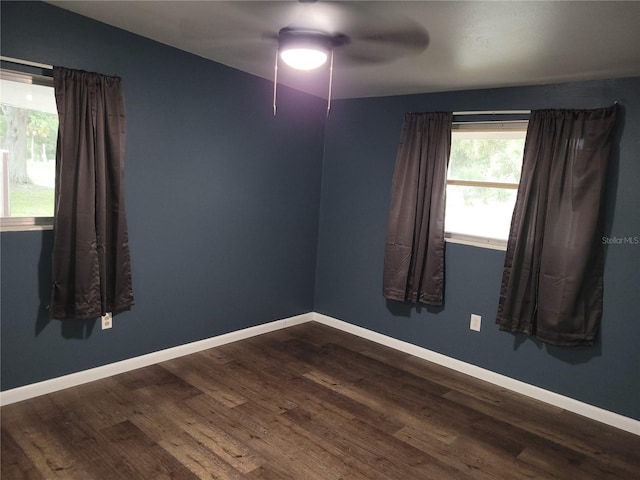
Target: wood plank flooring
{"x":305,"y":403}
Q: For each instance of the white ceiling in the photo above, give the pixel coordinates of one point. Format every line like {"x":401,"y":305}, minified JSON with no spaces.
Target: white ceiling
{"x":473,"y":44}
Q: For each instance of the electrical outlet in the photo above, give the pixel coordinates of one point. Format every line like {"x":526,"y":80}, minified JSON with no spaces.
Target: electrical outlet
{"x":476,"y":320}
{"x":107,"y":321}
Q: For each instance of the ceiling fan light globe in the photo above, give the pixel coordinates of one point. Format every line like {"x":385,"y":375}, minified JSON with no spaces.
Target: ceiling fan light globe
{"x":304,"y":58}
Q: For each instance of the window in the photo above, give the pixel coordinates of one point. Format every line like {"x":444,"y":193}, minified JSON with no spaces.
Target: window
{"x":482,"y":181}
{"x":28,"y":135}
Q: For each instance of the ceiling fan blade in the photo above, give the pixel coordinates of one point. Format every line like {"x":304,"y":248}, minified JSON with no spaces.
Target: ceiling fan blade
{"x":384,"y":46}
{"x":237,"y":21}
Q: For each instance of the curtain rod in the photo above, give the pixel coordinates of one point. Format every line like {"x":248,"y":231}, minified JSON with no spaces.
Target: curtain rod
{"x":491,"y":122}
{"x":493,"y":112}
{"x":26,"y":62}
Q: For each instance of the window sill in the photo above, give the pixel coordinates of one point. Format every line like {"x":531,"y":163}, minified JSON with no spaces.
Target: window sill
{"x":472,"y":240}
{"x":25,"y":224}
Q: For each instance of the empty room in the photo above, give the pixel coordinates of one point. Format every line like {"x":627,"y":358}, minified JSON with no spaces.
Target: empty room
{"x":318,"y":240}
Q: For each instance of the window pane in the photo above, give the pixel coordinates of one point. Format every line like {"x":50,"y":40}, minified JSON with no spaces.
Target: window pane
{"x":479,"y":211}
{"x":28,"y":134}
{"x":486,"y":159}
{"x":489,"y":152}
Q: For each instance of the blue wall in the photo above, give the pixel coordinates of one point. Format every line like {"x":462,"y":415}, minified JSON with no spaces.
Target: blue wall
{"x":222,"y":201}
{"x":226,"y":218}
{"x":360,"y":149}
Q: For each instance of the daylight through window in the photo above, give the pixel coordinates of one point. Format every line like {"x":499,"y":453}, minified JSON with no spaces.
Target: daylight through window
{"x":28,"y":135}
{"x":482,"y":181}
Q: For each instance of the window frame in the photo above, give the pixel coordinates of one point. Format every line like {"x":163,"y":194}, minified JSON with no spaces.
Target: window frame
{"x":22,"y":224}
{"x":486,"y":126}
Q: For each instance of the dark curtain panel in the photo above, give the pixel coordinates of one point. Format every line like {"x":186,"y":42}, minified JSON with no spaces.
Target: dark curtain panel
{"x":552,"y":278}
{"x":91,"y":263}
{"x":414,"y":252}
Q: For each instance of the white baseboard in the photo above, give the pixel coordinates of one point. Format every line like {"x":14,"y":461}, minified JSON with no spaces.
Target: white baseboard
{"x":48,"y":386}
{"x":595,"y":413}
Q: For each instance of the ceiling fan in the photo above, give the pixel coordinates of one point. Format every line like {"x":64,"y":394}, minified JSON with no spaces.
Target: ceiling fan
{"x":351,"y":28}
{"x":321,"y":28}
{"x":307,"y":34}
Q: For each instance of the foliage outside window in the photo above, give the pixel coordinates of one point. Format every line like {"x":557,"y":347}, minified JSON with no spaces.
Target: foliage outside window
{"x":482,"y":181}
{"x":28,"y":135}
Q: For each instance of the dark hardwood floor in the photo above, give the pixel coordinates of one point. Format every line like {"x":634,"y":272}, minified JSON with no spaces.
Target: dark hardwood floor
{"x":305,"y":403}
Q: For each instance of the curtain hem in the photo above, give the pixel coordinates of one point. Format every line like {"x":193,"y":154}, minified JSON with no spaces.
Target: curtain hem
{"x":412,"y":298}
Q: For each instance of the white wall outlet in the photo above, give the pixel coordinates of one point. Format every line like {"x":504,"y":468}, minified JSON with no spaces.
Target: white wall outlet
{"x":107,"y":320}
{"x":476,"y":320}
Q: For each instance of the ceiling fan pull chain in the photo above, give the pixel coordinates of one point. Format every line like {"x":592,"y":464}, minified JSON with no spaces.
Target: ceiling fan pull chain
{"x":330,"y":84}
{"x":275,"y":83}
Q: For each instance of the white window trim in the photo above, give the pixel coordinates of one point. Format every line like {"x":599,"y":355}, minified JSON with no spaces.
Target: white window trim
{"x":475,"y":241}
{"x":24,"y":224}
